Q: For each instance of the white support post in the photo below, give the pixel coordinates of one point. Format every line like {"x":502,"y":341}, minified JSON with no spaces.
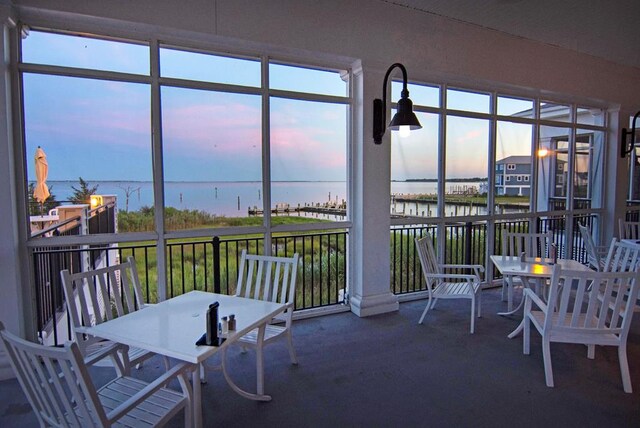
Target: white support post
{"x":370,"y":237}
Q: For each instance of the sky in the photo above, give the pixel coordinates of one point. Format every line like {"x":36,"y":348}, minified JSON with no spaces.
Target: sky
{"x":101,"y":130}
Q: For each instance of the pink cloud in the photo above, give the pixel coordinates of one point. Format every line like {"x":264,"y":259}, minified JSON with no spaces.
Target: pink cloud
{"x":472,"y":136}
{"x":230,"y":128}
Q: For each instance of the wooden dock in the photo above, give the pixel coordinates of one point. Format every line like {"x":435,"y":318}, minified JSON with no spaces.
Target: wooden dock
{"x":320,"y":208}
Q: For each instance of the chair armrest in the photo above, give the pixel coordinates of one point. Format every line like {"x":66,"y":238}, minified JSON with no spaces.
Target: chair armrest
{"x":150,"y":389}
{"x":462,"y":266}
{"x":473,"y":278}
{"x":532,"y":296}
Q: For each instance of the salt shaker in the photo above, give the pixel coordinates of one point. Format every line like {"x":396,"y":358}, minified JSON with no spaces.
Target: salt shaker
{"x":523,"y":257}
{"x":225,"y":325}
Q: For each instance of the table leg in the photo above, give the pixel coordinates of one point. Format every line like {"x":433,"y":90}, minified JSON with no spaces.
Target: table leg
{"x":510,"y":311}
{"x":257,"y":397}
{"x":540,"y":284}
{"x":197,"y":397}
{"x":517,"y":331}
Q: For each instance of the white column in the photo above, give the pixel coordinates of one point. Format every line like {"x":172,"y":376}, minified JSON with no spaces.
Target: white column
{"x":370,"y":292}
{"x":11,"y":246}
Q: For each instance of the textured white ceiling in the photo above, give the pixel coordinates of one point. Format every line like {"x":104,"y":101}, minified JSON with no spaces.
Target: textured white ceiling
{"x":608,"y":29}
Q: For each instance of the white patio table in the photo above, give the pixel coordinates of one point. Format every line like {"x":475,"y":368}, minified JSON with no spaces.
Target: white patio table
{"x":172,"y":328}
{"x":537,"y":268}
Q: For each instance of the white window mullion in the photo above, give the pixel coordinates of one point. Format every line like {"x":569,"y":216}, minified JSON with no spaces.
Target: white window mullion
{"x":158,"y":170}
{"x":266,"y":155}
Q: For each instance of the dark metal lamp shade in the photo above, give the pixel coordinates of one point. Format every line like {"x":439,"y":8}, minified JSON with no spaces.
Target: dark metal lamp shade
{"x":404,"y":116}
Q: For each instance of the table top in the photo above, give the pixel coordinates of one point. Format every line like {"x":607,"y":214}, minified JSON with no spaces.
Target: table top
{"x":172,"y":327}
{"x":511,"y":265}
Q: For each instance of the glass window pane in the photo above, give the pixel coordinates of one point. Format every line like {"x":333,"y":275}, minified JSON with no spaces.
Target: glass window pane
{"x":95,"y":130}
{"x":581,"y":188}
{"x":557,"y":112}
{"x":212,"y":157}
{"x":513,"y":160}
{"x":634,"y":175}
{"x":85,"y":52}
{"x":590,"y":116}
{"x":508,"y":106}
{"x":588,"y":174}
{"x":209,"y":68}
{"x":414,"y":169}
{"x":308,"y":80}
{"x":308,"y":159}
{"x":422,"y":95}
{"x":468,"y":101}
{"x":466,"y":166}
{"x":553,"y":168}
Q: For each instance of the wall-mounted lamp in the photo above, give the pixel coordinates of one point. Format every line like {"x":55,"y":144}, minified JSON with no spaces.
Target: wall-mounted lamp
{"x":623,"y":141}
{"x":543,"y":152}
{"x":95,"y":201}
{"x":404,"y":120}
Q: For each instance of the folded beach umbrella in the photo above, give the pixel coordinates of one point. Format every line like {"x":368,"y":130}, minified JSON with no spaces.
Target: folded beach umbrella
{"x":41,"y":192}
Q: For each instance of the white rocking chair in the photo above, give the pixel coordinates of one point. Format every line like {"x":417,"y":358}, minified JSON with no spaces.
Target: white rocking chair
{"x":272,"y":279}
{"x":442,"y":285}
{"x":100,"y":295}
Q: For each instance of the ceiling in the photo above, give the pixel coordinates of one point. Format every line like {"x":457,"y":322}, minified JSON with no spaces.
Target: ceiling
{"x":608,"y":29}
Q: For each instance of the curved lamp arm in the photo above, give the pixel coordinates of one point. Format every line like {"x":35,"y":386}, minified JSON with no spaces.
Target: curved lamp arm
{"x":623,"y":143}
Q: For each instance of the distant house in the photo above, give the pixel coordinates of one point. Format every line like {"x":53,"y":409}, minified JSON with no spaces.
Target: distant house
{"x":513,"y":176}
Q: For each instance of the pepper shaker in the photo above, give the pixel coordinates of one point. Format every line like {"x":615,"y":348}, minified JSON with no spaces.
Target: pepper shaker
{"x":232,"y":322}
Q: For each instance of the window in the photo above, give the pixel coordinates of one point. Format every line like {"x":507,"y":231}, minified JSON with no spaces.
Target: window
{"x":519,"y":178}
{"x":511,"y":166}
{"x":96,"y":125}
{"x":467,"y":147}
{"x":308,"y":143}
{"x":96,"y":133}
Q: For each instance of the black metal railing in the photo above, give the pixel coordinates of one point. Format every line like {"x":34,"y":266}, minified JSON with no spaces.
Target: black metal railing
{"x":465,"y":243}
{"x":207,"y":265}
{"x":102,"y":219}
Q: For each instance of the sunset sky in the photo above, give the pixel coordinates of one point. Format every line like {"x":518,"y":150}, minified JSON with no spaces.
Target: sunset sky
{"x":101,"y":130}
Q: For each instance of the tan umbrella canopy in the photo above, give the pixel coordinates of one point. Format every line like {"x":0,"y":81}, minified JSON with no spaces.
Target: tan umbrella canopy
{"x":41,"y":192}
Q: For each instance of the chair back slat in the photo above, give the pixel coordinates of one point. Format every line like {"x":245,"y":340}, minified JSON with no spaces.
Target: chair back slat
{"x":428,"y":259}
{"x":531,"y":244}
{"x":140,"y":300}
{"x":267,"y":277}
{"x":55,"y":381}
{"x":590,"y":247}
{"x":628,"y":229}
{"x":592,"y":302}
{"x":116,"y":292}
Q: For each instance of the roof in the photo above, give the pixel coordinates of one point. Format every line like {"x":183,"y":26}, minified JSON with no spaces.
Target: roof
{"x":515,"y":159}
